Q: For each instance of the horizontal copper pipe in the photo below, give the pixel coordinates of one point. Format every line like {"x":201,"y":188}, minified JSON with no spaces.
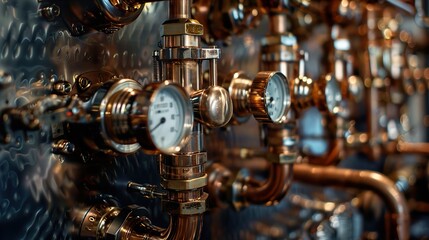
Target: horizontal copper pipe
{"x":365,"y":180}
{"x":273,"y":189}
{"x":410,"y":147}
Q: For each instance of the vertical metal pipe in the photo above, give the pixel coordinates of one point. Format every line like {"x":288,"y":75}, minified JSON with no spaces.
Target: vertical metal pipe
{"x":278,"y":23}
{"x":180,"y":9}
{"x":213,"y":71}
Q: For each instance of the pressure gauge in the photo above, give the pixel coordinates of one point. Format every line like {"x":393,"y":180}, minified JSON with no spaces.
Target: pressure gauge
{"x":167,"y":122}
{"x":270,"y":97}
{"x":158,"y":117}
{"x":168,"y":118}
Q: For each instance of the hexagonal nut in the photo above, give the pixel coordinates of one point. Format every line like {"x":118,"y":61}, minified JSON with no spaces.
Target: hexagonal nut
{"x":181,"y":185}
{"x":283,"y":158}
{"x":197,"y":206}
{"x":182,"y":27}
{"x":285,"y":39}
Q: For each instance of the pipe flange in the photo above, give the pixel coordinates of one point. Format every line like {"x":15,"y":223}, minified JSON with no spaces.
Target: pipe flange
{"x":182,"y":185}
{"x":197,"y":206}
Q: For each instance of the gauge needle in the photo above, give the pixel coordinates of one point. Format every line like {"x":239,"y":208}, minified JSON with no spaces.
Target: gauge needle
{"x":159,"y":124}
{"x":271,"y":101}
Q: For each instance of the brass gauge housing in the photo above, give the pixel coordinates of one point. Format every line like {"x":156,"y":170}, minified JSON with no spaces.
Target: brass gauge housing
{"x":267,"y":97}
{"x":238,"y":85}
{"x":270,"y":98}
{"x":158,"y":117}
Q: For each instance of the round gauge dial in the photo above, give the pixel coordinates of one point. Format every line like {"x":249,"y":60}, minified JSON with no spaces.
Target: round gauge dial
{"x":270,"y":97}
{"x":275,"y":97}
{"x":169,"y":118}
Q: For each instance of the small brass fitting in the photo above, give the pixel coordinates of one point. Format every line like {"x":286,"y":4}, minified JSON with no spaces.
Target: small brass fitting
{"x":182,"y":185}
{"x":182,"y":27}
{"x":197,"y":206}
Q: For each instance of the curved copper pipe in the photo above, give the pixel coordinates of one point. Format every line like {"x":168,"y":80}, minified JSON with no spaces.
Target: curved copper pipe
{"x":251,"y":191}
{"x":332,"y":157}
{"x":366,"y":180}
{"x":273,"y":189}
{"x":181,"y":227}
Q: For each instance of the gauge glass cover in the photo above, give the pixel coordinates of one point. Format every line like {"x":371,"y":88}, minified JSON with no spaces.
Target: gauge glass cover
{"x":167,"y":118}
{"x":275,"y":98}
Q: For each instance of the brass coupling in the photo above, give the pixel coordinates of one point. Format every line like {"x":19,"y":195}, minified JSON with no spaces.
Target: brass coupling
{"x":182,"y":168}
{"x":191,"y":207}
{"x":183,"y":176}
{"x":188,"y":160}
{"x":184,"y":184}
{"x":182,"y":27}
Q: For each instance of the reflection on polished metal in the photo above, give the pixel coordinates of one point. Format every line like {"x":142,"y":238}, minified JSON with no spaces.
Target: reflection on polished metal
{"x":98,"y":100}
{"x":105,"y":16}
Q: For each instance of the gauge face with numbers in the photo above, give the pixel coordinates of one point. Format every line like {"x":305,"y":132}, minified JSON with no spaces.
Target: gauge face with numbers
{"x":275,"y":97}
{"x":169,"y":118}
{"x":270,"y":97}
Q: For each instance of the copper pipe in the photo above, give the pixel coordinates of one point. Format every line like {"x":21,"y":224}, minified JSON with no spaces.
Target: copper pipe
{"x":365,"y":180}
{"x":332,"y":157}
{"x":180,"y":228}
{"x":406,"y":147}
{"x":410,"y":147}
{"x":273,"y":189}
{"x":250,"y":191}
